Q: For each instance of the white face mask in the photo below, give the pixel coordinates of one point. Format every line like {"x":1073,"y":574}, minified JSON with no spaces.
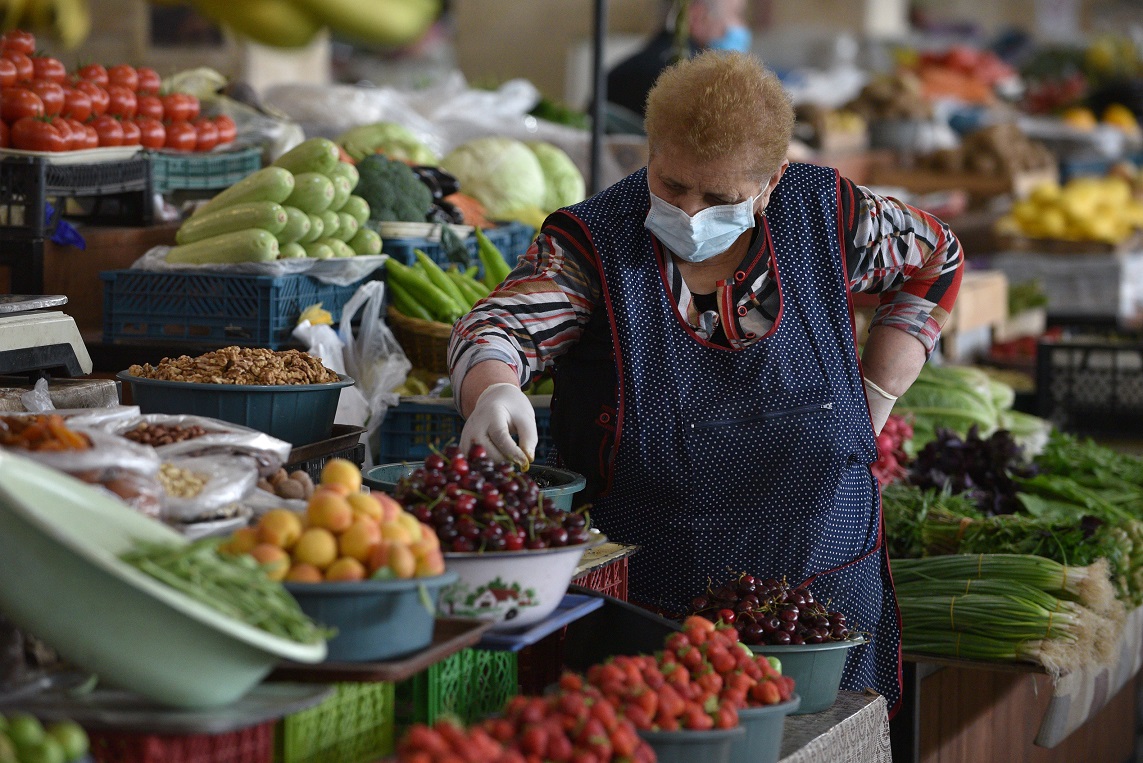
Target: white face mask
{"x":709,"y":233}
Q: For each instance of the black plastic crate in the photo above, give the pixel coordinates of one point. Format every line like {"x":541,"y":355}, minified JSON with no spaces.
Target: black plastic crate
{"x":344,"y":442}
{"x":1091,"y":385}
{"x":117,"y":192}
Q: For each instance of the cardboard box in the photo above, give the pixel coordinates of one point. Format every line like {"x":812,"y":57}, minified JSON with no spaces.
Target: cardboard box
{"x":982,"y":301}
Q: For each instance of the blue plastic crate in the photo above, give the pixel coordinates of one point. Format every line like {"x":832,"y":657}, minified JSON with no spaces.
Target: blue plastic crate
{"x":210,"y":171}
{"x":411,"y":427}
{"x":213,"y":308}
{"x":512,"y":239}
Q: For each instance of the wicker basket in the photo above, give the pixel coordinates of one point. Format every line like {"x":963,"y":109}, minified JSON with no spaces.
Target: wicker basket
{"x":424,"y":342}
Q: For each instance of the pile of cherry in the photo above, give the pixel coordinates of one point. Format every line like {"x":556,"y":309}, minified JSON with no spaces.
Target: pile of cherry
{"x":771,"y":612}
{"x":700,"y":681}
{"x":476,"y":504}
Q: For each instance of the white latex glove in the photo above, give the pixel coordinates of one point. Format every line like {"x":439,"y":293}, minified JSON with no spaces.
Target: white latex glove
{"x":501,"y":410}
{"x":880,"y":405}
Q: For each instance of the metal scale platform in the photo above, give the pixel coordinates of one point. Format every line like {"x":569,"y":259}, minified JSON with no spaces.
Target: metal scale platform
{"x":37,"y":341}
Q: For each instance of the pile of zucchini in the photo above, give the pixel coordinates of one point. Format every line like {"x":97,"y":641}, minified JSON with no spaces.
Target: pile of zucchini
{"x":301,"y":206}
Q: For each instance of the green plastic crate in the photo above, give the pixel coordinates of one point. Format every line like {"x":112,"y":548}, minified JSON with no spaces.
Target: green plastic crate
{"x":355,"y":725}
{"x":470,"y":685}
{"x":210,"y":171}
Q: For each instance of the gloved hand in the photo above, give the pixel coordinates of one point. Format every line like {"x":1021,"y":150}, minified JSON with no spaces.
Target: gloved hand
{"x":880,"y":405}
{"x":502,"y":409}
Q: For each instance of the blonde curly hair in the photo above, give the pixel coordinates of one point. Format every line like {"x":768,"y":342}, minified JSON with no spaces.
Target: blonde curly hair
{"x":719,"y":104}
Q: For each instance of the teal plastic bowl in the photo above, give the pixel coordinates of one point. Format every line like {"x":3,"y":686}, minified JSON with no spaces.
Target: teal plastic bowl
{"x":375,"y":619}
{"x":815,"y":668}
{"x":297,"y":413}
{"x":562,"y":484}
{"x":762,"y":742}
{"x":712,"y":746}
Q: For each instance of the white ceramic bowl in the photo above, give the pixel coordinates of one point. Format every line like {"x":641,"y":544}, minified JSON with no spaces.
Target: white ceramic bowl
{"x":62,"y":580}
{"x":514,"y":589}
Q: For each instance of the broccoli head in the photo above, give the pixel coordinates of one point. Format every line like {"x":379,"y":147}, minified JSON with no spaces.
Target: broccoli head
{"x":392,"y":189}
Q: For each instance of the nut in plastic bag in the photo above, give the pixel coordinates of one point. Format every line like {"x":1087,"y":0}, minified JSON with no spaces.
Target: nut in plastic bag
{"x":205,"y":487}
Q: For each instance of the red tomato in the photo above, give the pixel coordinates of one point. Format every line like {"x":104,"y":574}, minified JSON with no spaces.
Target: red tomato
{"x":109,"y":130}
{"x":19,"y":41}
{"x":50,"y":69}
{"x":149,"y":80}
{"x":92,"y":137}
{"x":78,"y":132}
{"x":3,"y":135}
{"x":7,"y":73}
{"x":123,"y":102}
{"x":123,"y":75}
{"x":207,"y":134}
{"x":152,"y":134}
{"x":227,"y":130}
{"x":50,"y":93}
{"x":94,"y":73}
{"x":33,"y":134}
{"x":18,"y":102}
{"x":149,"y":106}
{"x":195,"y":106}
{"x":24,"y":68}
{"x":181,"y":136}
{"x":65,"y":130}
{"x":77,"y":104}
{"x":99,"y":98}
{"x":131,"y":133}
{"x":177,"y":107}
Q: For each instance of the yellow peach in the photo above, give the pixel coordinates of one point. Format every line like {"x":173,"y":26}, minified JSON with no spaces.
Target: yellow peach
{"x":329,"y":510}
{"x":336,"y":489}
{"x":280,"y":527}
{"x":390,"y":508}
{"x":412,"y":526}
{"x":429,"y":535}
{"x":241,"y":542}
{"x":317,"y":546}
{"x":358,"y":541}
{"x":422,"y":548}
{"x":338,"y":471}
{"x":430,"y":564}
{"x":365,"y":504}
{"x":401,"y":561}
{"x":303,"y":573}
{"x":345,"y":568}
{"x":396,"y":532}
{"x":379,"y":557}
{"x":273,"y":559}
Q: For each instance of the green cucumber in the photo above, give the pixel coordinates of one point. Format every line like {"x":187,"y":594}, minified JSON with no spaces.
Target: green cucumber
{"x":331,"y":223}
{"x":347,"y":227}
{"x":291,"y":251}
{"x":347,"y":171}
{"x":318,"y":251}
{"x":341,"y":191}
{"x":356,"y":207}
{"x":250,"y":245}
{"x":250,"y":214}
{"x":296,"y":228}
{"x":314,"y":155}
{"x":339,"y":248}
{"x":267,"y":184}
{"x":312,"y":193}
{"x":317,"y":228}
{"x":366,"y":242}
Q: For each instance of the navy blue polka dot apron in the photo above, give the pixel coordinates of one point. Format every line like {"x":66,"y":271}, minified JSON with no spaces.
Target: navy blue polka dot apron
{"x":752,"y":460}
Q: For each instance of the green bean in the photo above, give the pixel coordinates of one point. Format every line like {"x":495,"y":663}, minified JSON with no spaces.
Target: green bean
{"x":235,"y":586}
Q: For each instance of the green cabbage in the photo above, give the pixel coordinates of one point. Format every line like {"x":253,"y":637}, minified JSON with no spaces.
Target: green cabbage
{"x":502,"y":173}
{"x":565,"y":185}
{"x":394,"y":140}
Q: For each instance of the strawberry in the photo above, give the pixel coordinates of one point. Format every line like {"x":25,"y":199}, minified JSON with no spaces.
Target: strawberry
{"x":559,"y":749}
{"x":726,"y":717}
{"x":533,"y":740}
{"x":766,"y":693}
{"x":571,"y":681}
{"x":695,"y":718}
{"x":604,"y":711}
{"x":639,"y":717}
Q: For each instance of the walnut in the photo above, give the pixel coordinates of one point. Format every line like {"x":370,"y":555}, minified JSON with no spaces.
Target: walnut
{"x":240,"y":365}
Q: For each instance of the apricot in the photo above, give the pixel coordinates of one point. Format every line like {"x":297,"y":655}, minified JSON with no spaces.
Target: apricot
{"x":338,"y":471}
{"x":401,"y":561}
{"x":390,"y":508}
{"x":301,"y":572}
{"x":345,"y":568}
{"x":273,"y":559}
{"x":429,"y":535}
{"x":336,"y":489}
{"x":317,"y":546}
{"x":422,"y":548}
{"x":379,"y":557}
{"x":241,"y":542}
{"x":412,"y":526}
{"x":396,"y":532}
{"x":364,"y":504}
{"x":280,"y":527}
{"x":431,"y":564}
{"x":358,"y":541}
{"x":329,"y":510}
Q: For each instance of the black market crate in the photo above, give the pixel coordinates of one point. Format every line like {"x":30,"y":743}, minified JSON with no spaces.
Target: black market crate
{"x":512,"y":239}
{"x":114,"y":192}
{"x":1091,"y":385}
{"x":212,"y":308}
{"x":413,"y":427}
{"x":209,"y":171}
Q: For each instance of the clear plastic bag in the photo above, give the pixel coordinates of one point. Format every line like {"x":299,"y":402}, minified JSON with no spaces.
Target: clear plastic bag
{"x":341,"y":271}
{"x":226,"y":480}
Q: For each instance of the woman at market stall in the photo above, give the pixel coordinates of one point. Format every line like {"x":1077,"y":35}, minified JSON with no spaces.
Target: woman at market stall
{"x":697,"y":320}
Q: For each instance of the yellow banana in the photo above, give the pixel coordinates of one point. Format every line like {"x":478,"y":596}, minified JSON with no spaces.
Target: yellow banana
{"x":278,"y":23}
{"x":384,"y":22}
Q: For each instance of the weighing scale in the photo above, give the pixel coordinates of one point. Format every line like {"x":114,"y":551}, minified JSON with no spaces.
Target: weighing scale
{"x":36,"y":341}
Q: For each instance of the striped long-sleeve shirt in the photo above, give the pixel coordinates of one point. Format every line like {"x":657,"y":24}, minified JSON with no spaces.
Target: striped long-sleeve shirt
{"x":904,"y":254}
